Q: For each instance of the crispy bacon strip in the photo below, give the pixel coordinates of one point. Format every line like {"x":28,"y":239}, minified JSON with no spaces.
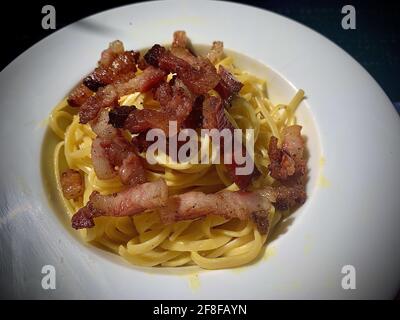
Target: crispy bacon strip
{"x":108,"y":55}
{"x":180,"y":39}
{"x":287,"y":162}
{"x":117,"y":116}
{"x":213,"y":114}
{"x":287,"y":197}
{"x":123,"y":67}
{"x":101,"y":126}
{"x":79,"y":95}
{"x":181,"y":103}
{"x":241,"y":205}
{"x":176,"y":105}
{"x":132,"y":171}
{"x":214,"y":118}
{"x":142,"y":64}
{"x":228,"y":87}
{"x":72,"y":184}
{"x":145,"y":119}
{"x":150,"y":195}
{"x":82,"y":92}
{"x":102,"y":154}
{"x":181,"y":48}
{"x":198,"y":75}
{"x":105,"y":97}
{"x":140,"y":142}
{"x":216,"y":52}
{"x":143,"y":82}
{"x":195,"y":118}
{"x":117,"y":149}
{"x":288,"y":166}
{"x":108,"y":96}
{"x":163,"y":94}
{"x":153,"y":56}
{"x":103,"y":167}
{"x":115,"y":156}
{"x":112,"y":154}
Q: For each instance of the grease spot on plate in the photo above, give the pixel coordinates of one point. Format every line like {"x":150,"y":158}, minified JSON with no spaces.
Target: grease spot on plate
{"x":194,"y":282}
{"x":322,"y":162}
{"x":308,"y":246}
{"x":269,"y":253}
{"x":323,"y":182}
{"x":237,"y":270}
{"x":42,"y":124}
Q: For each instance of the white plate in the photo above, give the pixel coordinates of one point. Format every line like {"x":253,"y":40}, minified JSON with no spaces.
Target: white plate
{"x":351,"y":216}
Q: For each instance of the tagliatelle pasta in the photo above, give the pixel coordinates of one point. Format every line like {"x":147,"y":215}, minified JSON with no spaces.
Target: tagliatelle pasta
{"x":212,"y":242}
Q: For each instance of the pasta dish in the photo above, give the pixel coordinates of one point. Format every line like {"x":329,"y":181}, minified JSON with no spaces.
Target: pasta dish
{"x":166,"y":212}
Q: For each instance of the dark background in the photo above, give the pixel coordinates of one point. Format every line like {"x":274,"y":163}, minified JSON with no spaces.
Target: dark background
{"x":375,"y":43}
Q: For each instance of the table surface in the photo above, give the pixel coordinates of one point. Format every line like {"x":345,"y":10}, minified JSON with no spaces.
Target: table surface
{"x":374,"y":43}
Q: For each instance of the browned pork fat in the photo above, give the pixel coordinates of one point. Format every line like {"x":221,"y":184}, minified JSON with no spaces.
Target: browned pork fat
{"x":241,"y":205}
{"x":132,"y":171}
{"x":117,"y":116}
{"x":195,"y":117}
{"x":129,"y":202}
{"x":175,"y":105}
{"x":72,"y":184}
{"x":288,"y":161}
{"x":108,"y":96}
{"x":287,"y":197}
{"x":108,"y":55}
{"x":101,"y":125}
{"x":180,"y":39}
{"x":199,"y":75}
{"x":288,"y":166}
{"x":114,"y":65}
{"x":216,"y":52}
{"x":181,"y":48}
{"x":228,"y":86}
{"x":114,"y":151}
{"x":79,"y":95}
{"x":140,"y":142}
{"x":112,"y":154}
{"x":123,"y":67}
{"x":163,"y":93}
{"x":102,"y":166}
